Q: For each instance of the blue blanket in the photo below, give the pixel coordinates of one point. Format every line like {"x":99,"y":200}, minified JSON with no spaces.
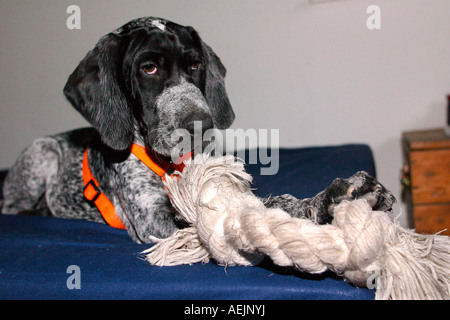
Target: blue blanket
{"x":48,"y":258}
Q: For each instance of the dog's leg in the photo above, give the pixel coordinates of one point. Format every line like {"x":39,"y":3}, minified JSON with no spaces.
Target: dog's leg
{"x":142,"y":202}
{"x":320,"y":208}
{"x":26,"y":181}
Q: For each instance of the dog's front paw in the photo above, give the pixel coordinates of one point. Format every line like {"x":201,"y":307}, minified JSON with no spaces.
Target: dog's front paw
{"x":362,"y":186}
{"x":366,"y":187}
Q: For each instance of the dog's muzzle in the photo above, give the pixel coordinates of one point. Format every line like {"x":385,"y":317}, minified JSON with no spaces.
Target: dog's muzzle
{"x":181,"y":108}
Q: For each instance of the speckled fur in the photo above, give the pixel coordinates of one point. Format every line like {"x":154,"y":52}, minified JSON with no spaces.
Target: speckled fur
{"x":51,"y":168}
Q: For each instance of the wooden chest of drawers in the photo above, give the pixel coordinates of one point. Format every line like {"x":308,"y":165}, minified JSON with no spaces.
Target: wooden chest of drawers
{"x":426,"y":179}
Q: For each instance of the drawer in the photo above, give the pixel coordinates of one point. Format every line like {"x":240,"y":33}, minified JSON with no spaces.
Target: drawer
{"x":430,"y":176}
{"x":432,"y":218}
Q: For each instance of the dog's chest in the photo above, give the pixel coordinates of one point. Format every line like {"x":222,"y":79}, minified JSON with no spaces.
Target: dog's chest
{"x":138,"y":182}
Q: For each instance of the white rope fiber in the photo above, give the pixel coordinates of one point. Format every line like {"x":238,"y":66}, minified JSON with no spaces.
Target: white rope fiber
{"x":229,"y":224}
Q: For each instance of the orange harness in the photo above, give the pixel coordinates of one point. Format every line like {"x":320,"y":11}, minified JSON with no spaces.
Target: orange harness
{"x":93,"y":194}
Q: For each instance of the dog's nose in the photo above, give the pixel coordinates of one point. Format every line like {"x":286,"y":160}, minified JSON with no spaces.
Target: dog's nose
{"x":198,"y":121}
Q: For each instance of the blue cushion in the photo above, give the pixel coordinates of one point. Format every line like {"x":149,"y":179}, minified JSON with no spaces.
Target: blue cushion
{"x":304,"y":172}
{"x":35,"y":252}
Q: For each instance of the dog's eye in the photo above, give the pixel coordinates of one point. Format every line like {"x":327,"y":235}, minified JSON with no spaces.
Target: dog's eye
{"x":195,"y":66}
{"x":150,"y":69}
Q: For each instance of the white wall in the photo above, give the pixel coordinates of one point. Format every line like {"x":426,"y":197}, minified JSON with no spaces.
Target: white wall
{"x":313,"y":71}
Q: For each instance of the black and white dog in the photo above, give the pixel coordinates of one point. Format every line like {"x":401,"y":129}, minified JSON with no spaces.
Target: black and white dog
{"x":139,"y":84}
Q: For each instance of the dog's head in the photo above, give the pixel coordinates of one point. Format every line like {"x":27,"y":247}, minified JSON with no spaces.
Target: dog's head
{"x":147,"y":79}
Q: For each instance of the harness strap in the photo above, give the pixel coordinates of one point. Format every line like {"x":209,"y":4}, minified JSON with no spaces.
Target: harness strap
{"x":93,"y":194}
{"x":159,"y":168}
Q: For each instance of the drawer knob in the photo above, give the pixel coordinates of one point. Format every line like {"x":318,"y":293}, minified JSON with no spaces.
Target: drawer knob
{"x":405,"y":178}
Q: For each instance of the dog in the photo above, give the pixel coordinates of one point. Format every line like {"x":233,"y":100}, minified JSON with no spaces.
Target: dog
{"x":138,"y":85}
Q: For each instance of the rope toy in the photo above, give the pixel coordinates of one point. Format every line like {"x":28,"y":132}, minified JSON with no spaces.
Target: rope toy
{"x":229,"y":224}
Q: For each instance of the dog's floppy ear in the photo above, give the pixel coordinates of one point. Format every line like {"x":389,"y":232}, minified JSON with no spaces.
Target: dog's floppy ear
{"x":215,"y":91}
{"x":94,"y":90}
